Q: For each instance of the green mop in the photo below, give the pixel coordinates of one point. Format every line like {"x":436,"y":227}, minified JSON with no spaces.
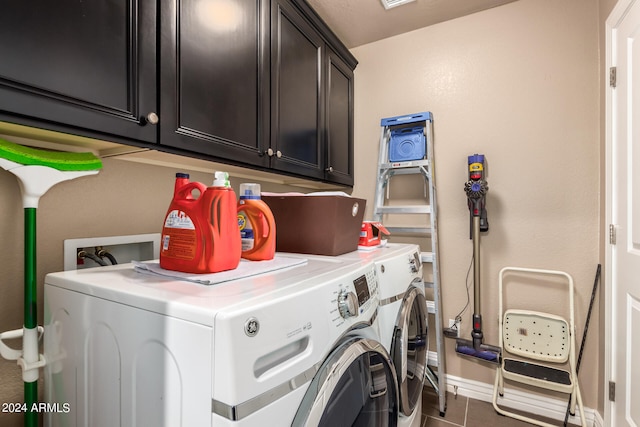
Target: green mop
{"x":37,"y":171}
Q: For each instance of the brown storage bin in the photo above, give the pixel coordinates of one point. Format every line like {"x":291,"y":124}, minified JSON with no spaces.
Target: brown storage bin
{"x":320,"y":225}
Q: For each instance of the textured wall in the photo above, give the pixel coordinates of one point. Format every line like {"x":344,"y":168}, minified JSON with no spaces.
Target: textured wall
{"x":519,"y":83}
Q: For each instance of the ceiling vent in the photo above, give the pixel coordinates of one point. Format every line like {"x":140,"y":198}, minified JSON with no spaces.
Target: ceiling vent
{"x":388,"y":4}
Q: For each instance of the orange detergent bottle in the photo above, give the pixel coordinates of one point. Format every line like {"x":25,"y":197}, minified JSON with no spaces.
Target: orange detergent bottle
{"x":200,"y":233}
{"x":257,"y":225}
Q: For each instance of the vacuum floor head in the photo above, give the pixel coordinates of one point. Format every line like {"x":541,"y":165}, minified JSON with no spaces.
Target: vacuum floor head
{"x":483,"y":352}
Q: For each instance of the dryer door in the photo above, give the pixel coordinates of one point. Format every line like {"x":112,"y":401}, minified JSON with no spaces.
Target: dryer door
{"x":409,"y":348}
{"x":355,"y":386}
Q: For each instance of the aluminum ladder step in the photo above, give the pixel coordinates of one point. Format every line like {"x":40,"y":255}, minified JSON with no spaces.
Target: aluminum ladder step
{"x":404,"y":170}
{"x":403,"y":209}
{"x":410,"y":231}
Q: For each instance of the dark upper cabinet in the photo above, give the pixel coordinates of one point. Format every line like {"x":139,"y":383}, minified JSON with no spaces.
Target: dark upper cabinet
{"x":86,"y":65}
{"x":339,"y":120}
{"x":296,"y":100}
{"x":214,"y":63}
{"x":259,"y":83}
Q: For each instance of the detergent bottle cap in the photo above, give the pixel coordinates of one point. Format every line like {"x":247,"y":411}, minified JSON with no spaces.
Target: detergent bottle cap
{"x":221,"y":179}
{"x":182,"y":175}
{"x":249,"y":191}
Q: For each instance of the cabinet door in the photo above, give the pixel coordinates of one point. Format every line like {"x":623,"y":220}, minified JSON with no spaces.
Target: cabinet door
{"x":213,"y":61}
{"x":83,"y":65}
{"x":339,"y":122}
{"x":296,"y":101}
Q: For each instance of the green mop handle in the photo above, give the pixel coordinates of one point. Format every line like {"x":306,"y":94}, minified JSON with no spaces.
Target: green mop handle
{"x":30,"y":311}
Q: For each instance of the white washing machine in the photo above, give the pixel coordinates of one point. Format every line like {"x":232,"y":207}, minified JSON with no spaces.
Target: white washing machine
{"x":296,"y":346}
{"x":402,"y":318}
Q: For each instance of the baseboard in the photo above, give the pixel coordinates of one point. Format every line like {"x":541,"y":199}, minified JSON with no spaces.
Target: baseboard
{"x":516,"y":399}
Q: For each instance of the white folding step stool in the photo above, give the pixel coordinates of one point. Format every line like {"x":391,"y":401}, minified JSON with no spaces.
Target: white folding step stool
{"x":534,"y":344}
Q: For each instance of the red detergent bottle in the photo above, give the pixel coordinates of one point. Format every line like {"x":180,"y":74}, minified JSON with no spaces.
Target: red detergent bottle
{"x":257,"y":225}
{"x":200,"y":233}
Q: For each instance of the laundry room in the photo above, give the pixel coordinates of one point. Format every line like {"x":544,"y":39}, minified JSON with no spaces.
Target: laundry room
{"x":521,"y":82}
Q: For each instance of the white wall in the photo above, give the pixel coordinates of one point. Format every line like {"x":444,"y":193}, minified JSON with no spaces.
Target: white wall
{"x":520,"y":84}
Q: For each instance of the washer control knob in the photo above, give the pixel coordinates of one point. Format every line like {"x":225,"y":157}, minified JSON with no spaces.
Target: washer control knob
{"x":347,"y":304}
{"x":415,"y":263}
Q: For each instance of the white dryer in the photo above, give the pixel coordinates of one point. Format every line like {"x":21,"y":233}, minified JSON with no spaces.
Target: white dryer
{"x":295,"y":346}
{"x":402,"y":318}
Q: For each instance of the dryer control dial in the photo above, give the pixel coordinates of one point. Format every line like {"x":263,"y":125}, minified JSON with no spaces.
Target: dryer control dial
{"x":347,"y":304}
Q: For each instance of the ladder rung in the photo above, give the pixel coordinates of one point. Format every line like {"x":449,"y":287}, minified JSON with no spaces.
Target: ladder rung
{"x":407,"y":171}
{"x":538,"y":372}
{"x":421,"y":231}
{"x":403,"y":165}
{"x":426,"y":256}
{"x":428,"y":285}
{"x":431,"y":307}
{"x":403,"y":209}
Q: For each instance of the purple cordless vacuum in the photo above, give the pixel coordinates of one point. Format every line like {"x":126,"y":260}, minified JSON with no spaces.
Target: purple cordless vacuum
{"x":476,"y":188}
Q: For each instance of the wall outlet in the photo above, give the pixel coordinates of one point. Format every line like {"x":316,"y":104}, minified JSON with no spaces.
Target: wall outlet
{"x":454,"y":327}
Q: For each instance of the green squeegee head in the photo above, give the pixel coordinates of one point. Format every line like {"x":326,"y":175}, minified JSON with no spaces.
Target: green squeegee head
{"x":63,"y":161}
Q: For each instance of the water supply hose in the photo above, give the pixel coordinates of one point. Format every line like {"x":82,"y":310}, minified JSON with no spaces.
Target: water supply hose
{"x":93,"y":257}
{"x":103,"y":253}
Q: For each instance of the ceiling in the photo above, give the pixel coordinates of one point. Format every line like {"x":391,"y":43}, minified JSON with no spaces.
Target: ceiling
{"x":358,"y":22}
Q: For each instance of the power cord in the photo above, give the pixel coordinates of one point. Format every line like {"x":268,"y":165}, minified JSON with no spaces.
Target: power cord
{"x":452,"y":331}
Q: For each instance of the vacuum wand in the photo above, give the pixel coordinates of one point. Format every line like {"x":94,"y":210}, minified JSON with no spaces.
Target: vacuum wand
{"x":476,"y":188}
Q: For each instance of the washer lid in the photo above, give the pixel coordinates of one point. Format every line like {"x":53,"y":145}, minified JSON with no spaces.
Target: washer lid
{"x":196,"y":302}
{"x":355,"y":385}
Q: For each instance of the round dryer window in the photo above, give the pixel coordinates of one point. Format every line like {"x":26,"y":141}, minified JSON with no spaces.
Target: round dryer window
{"x":358,"y":379}
{"x":409,"y":348}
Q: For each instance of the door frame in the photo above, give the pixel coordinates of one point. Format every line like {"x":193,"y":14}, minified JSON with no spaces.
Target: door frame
{"x":611,"y":24}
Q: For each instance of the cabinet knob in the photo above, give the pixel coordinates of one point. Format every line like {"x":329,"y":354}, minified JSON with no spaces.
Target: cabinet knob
{"x":329,"y":169}
{"x":270,"y":153}
{"x":152,"y":118}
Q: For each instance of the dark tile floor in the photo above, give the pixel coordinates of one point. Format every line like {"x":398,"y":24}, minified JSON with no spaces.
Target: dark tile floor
{"x":466,"y":412}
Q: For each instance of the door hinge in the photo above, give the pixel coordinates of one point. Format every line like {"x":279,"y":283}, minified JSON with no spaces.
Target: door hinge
{"x":612,"y":77}
{"x":612,"y":234}
{"x":612,"y":391}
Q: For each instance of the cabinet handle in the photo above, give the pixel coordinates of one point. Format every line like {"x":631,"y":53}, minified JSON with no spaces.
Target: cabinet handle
{"x":329,"y":169}
{"x":278,"y":154}
{"x":270,"y":152}
{"x":152,"y":118}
